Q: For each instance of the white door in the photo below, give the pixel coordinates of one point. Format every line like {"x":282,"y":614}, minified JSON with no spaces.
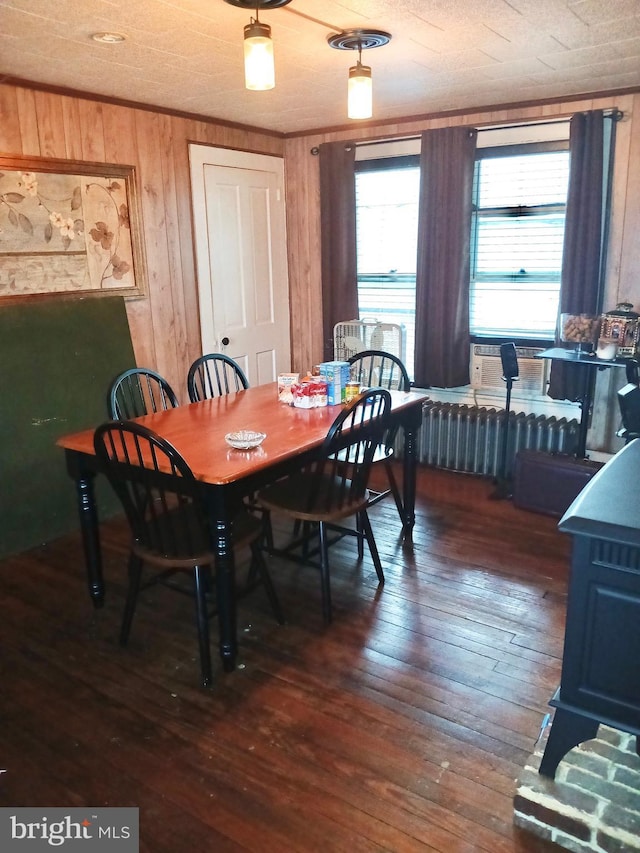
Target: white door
{"x":239,"y":223}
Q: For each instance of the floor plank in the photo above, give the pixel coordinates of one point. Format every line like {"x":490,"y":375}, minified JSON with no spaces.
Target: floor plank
{"x":400,"y":727}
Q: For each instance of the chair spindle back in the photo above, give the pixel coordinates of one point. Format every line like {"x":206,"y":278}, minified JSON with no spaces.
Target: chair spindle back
{"x":166,"y":514}
{"x":138,"y":392}
{"x":342,"y":470}
{"x":214,"y":375}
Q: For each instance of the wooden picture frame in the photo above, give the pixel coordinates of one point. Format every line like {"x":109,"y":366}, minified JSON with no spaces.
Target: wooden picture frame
{"x":69,"y":227}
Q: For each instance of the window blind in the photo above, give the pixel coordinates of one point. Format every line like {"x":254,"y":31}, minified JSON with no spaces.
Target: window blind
{"x":517,"y":240}
{"x":387,"y":193}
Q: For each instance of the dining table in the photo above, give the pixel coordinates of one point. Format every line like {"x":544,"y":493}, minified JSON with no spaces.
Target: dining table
{"x":294,"y":437}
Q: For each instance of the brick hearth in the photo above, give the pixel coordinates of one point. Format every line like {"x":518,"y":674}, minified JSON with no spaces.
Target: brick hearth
{"x":593,"y":803}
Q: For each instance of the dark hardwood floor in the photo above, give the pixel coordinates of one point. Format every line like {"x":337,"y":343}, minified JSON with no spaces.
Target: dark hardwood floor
{"x":401,"y":727}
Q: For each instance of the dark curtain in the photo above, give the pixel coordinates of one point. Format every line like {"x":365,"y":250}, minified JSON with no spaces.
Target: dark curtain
{"x":338,"y":236}
{"x":583,"y":243}
{"x":442,"y":272}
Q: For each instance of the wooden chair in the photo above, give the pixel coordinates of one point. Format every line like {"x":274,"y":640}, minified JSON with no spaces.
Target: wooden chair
{"x":383,"y":370}
{"x":328,"y":490}
{"x":214,"y":375}
{"x":629,"y":403}
{"x":137,"y":392}
{"x":169,"y":523}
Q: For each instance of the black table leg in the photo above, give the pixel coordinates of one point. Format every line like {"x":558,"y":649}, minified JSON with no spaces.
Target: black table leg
{"x":585,"y":414}
{"x":411,"y":427}
{"x":89,"y":527}
{"x":586,"y":404}
{"x":225,"y":580}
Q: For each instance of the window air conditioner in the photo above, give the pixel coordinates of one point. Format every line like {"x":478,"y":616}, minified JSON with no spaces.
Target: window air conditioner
{"x":486,"y":368}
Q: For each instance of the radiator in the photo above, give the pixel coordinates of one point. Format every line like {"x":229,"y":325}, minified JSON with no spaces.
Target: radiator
{"x":469,"y":438}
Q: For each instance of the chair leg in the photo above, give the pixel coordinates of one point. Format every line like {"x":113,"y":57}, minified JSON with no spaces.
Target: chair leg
{"x":261,"y":566}
{"x":201,"y":577}
{"x":253,"y":570}
{"x":360,"y":537}
{"x":306,"y":533}
{"x":373,"y":548}
{"x":325,"y":581}
{"x":135,"y":574}
{"x":395,"y":491}
{"x":268,"y":530}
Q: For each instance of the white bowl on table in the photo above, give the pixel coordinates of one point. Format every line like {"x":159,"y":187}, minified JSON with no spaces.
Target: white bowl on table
{"x":245,"y":439}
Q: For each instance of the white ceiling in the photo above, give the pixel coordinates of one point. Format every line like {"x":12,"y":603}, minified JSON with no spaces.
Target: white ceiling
{"x":186,"y":55}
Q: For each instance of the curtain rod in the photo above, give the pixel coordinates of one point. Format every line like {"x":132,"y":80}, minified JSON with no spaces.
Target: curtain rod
{"x":316,"y":149}
{"x":483,"y":129}
{"x":614,"y":113}
{"x":541,"y":123}
{"x":389,"y":139}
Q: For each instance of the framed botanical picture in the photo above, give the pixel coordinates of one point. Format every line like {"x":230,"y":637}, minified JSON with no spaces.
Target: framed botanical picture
{"x":68,"y":227}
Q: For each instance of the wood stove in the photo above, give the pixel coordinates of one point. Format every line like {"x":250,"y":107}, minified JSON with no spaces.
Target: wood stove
{"x":600,"y":680}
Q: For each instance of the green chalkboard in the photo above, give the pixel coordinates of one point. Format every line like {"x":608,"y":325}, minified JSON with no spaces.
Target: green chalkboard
{"x":57,"y":360}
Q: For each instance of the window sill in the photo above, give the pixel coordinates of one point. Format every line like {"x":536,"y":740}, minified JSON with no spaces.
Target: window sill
{"x":523,"y":401}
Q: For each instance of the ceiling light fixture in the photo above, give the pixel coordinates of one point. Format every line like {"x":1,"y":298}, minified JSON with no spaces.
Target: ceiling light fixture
{"x":259,"y":69}
{"x":109,"y":38}
{"x":360,"y":87}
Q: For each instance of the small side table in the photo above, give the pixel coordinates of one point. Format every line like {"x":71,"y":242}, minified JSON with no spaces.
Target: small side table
{"x":591,"y":363}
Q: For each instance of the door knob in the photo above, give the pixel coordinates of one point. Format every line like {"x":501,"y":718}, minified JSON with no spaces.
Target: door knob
{"x":225,"y":342}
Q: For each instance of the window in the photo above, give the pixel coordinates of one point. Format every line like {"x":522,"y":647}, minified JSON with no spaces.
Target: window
{"x":387,"y":233}
{"x":519,"y":200}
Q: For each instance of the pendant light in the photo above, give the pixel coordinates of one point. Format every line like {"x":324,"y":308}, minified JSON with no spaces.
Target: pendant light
{"x":259,"y":70}
{"x":360,"y":86}
{"x":360,"y":90}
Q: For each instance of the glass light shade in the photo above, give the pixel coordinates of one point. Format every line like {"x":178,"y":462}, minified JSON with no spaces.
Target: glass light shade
{"x":360,"y":92}
{"x":259,"y":71}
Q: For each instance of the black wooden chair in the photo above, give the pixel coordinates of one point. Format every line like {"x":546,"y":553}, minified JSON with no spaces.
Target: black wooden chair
{"x":169,"y":524}
{"x":329,"y":491}
{"x":383,"y":370}
{"x":214,"y":375}
{"x":137,"y":392}
{"x":629,"y":403}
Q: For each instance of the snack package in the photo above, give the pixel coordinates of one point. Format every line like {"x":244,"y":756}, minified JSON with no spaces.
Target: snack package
{"x":309,"y":395}
{"x":336,"y":374}
{"x":286,"y":381}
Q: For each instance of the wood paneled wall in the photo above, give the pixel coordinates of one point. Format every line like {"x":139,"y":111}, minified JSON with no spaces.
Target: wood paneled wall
{"x":164,"y":324}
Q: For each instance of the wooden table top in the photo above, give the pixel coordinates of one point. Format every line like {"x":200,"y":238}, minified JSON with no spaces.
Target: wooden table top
{"x":197,"y":431}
